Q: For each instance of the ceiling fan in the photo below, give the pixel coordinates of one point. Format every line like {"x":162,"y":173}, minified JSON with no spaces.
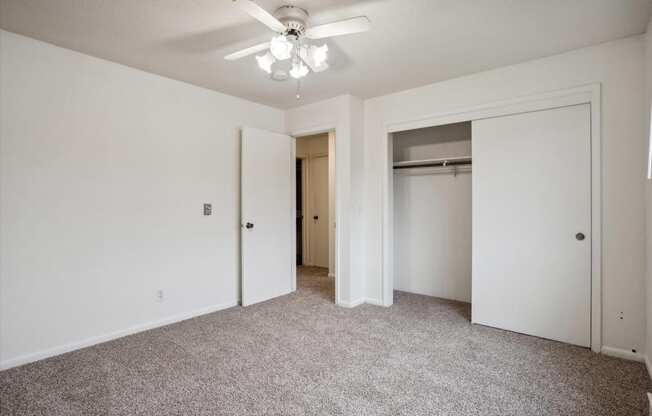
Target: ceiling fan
{"x":290,"y":53}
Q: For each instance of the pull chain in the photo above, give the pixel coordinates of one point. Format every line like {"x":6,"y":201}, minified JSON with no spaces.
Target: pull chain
{"x":298,"y":59}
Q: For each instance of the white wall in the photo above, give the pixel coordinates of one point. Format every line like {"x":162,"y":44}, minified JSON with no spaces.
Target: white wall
{"x":344,"y":114}
{"x":358,"y":259}
{"x":432,"y":214}
{"x":618,"y":66}
{"x":104,"y":170}
{"x":648,"y":108}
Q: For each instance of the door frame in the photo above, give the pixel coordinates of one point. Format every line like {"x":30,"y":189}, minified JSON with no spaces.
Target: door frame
{"x":586,"y":94}
{"x":331,"y":129}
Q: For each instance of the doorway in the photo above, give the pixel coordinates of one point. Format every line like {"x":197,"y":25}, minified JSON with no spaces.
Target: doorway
{"x":315,"y":221}
{"x":271,"y":165}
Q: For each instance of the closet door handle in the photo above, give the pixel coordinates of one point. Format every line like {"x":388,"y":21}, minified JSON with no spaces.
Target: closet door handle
{"x":249,"y":226}
{"x":580,"y":236}
{"x":316,"y":217}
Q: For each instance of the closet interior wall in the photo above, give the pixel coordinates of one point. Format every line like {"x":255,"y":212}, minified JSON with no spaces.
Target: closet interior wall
{"x":432,"y":213}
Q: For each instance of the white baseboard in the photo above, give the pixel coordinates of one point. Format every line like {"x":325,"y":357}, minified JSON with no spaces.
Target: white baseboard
{"x":29,"y":358}
{"x":373,"y":302}
{"x":352,"y":304}
{"x":621,"y":353}
{"x":359,"y":302}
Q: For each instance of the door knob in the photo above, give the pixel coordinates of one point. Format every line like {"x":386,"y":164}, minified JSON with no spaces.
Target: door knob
{"x":580,"y":236}
{"x":316,"y":217}
{"x":249,"y":226}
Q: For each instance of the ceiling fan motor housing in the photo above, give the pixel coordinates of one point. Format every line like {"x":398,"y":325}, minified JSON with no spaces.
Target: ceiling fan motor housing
{"x":294,"y":18}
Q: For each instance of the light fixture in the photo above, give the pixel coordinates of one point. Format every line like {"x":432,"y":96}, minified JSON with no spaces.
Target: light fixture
{"x":280,"y":74}
{"x":265,"y":62}
{"x":299,"y":70}
{"x":319,"y":54}
{"x":290,"y":56}
{"x":281,"y":70}
{"x":296,"y":48}
{"x":281,"y":48}
{"x":315,"y":57}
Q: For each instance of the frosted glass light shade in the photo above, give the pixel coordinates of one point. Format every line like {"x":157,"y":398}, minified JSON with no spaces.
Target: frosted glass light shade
{"x":319,"y":54}
{"x":265,"y":62}
{"x":281,"y":48}
{"x":309,"y":53}
{"x":299,"y":70}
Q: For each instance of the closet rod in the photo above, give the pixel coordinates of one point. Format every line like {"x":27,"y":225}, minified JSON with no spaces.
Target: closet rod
{"x":434,"y":163}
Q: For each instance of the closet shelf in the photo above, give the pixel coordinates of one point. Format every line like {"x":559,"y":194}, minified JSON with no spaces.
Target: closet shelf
{"x":448,"y":161}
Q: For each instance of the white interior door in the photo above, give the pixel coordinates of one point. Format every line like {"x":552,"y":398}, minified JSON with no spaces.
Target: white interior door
{"x":319,"y":220}
{"x":532,"y":223}
{"x":268,"y":217}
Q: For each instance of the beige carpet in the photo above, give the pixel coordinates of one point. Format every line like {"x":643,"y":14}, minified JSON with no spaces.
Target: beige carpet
{"x":302,"y":355}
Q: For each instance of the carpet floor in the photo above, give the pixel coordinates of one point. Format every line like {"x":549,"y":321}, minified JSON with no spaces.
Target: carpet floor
{"x":301,"y":355}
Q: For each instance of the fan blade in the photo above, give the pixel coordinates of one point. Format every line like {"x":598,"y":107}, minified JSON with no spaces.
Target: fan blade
{"x":248,"y":51}
{"x":343,"y":27}
{"x":260,"y":14}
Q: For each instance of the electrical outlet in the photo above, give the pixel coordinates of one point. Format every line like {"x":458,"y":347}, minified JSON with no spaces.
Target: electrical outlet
{"x":208,"y":209}
{"x":160,"y":295}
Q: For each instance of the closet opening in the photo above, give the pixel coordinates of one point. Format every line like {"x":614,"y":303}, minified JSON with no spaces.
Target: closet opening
{"x":432,"y":211}
{"x":536,"y":245}
{"x":514,"y":234}
{"x":315,"y":216}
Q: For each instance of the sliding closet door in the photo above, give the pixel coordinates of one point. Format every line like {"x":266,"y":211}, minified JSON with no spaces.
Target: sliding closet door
{"x":532,"y":223}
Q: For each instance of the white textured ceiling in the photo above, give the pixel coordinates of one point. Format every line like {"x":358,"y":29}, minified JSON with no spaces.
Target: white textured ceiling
{"x":412,"y":42}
